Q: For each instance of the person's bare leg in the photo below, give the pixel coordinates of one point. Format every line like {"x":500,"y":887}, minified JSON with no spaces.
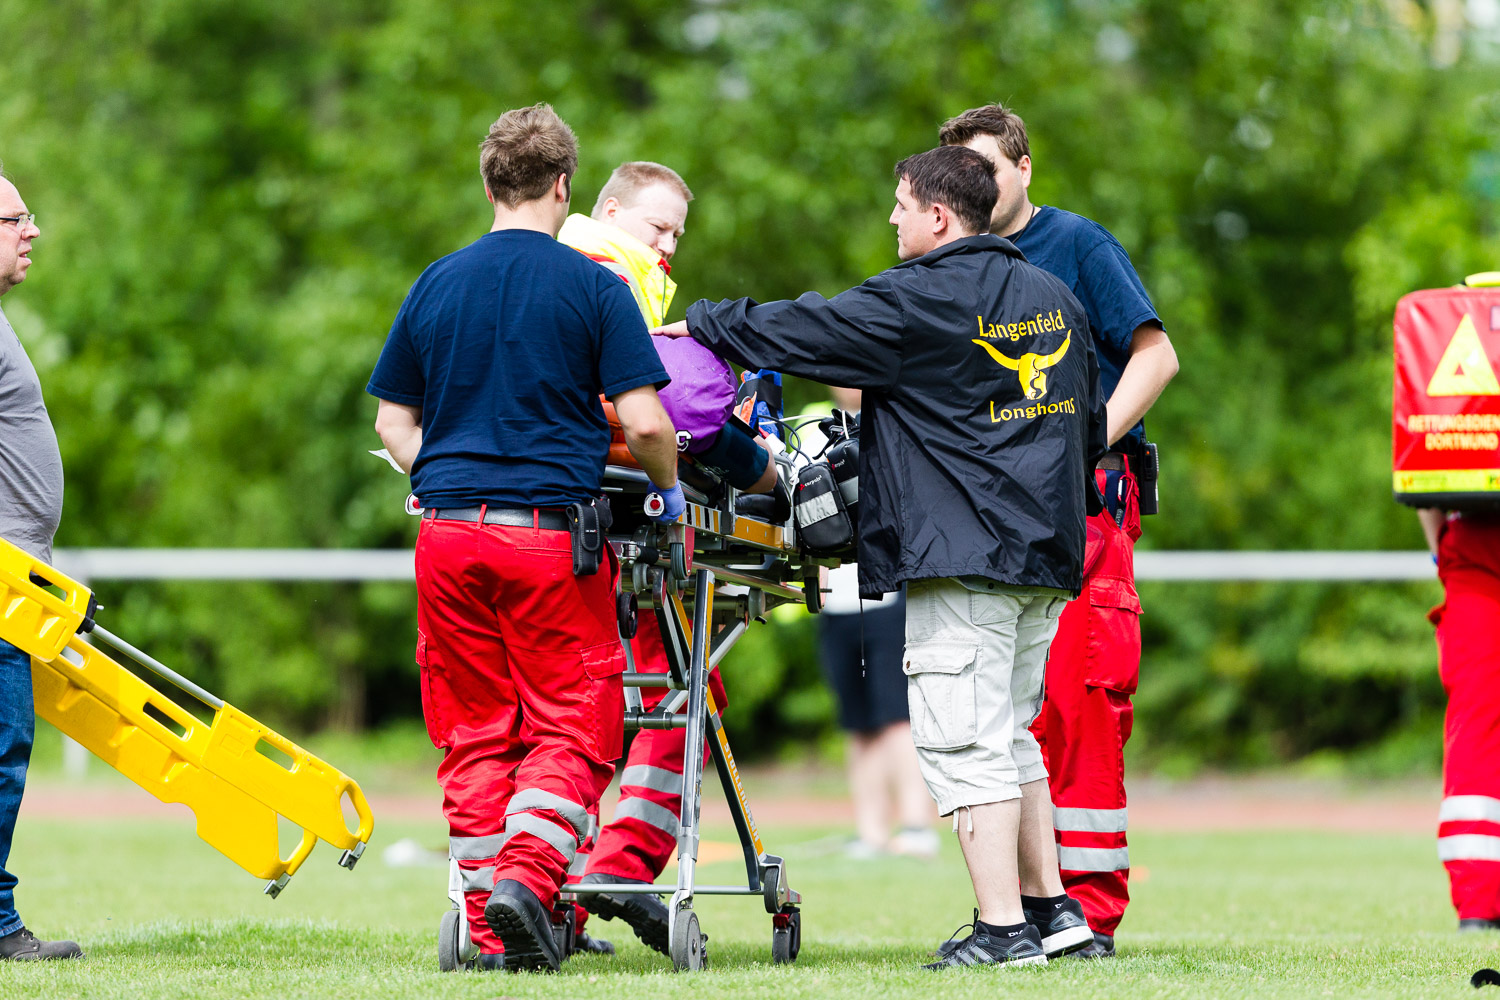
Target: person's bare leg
{"x":913,"y":801}
{"x":1036,"y":847}
{"x":990,"y":852}
{"x":867,"y":788}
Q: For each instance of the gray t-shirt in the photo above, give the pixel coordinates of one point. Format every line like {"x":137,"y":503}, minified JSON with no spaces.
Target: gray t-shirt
{"x":31,"y":472}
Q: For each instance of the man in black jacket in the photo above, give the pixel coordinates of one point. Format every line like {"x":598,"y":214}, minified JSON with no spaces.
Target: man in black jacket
{"x":982,"y":417}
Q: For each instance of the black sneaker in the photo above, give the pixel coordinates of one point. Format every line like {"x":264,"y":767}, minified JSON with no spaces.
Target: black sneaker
{"x":24,"y":946}
{"x":645,"y":913}
{"x":1470,"y":924}
{"x":524,"y":927}
{"x":980,"y":948}
{"x":1103,"y":946}
{"x":1062,"y":930}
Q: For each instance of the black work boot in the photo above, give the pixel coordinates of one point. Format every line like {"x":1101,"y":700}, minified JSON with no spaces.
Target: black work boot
{"x":1103,"y":946}
{"x":23,"y":946}
{"x":524,"y":927}
{"x":1062,"y":926}
{"x":646,"y":914}
{"x":588,"y":944}
{"x":1469,"y":925}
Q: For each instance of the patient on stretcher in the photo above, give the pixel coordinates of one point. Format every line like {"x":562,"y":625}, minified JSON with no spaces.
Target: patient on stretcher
{"x":701,"y":400}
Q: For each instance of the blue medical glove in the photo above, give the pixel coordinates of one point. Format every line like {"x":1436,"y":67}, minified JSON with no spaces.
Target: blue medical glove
{"x":665,"y":505}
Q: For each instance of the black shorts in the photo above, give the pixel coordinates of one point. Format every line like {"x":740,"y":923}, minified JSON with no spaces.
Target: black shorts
{"x":876,"y":699}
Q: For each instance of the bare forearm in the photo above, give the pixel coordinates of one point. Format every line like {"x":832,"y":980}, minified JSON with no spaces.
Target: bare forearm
{"x":649,"y":433}
{"x":657,"y":454}
{"x":400,"y":430}
{"x":1432,"y":524}
{"x":1152,"y":364}
{"x":403,"y":447}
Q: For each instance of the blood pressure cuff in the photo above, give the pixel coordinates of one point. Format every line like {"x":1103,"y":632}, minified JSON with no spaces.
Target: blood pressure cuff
{"x":735,"y":456}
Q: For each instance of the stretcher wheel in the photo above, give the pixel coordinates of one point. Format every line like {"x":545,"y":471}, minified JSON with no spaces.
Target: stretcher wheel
{"x":450,"y":942}
{"x":786,"y":940}
{"x":812,"y":593}
{"x":688,"y":951}
{"x":679,"y":561}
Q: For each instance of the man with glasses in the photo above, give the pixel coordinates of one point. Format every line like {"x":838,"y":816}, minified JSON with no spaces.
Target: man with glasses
{"x":31,"y":492}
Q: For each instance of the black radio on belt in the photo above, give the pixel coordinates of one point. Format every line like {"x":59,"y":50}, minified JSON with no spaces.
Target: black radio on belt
{"x":1148,"y":470}
{"x":587,"y":523}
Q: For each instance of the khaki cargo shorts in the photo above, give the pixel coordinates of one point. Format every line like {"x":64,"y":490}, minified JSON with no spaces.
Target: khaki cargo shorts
{"x":975,"y":664}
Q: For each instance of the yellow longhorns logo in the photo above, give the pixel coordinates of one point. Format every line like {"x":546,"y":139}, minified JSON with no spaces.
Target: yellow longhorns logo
{"x":1030,"y":368}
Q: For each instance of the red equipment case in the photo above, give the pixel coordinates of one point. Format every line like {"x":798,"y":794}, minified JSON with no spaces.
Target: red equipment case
{"x":1445,"y":426}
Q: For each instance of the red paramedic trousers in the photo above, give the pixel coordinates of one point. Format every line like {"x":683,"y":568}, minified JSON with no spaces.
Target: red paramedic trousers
{"x":1092,"y":671}
{"x":642,"y":834}
{"x":520,"y":663}
{"x":1468,"y":637}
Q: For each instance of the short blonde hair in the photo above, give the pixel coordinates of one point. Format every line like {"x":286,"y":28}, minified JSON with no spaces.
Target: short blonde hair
{"x":526,"y":150}
{"x":630,"y":179}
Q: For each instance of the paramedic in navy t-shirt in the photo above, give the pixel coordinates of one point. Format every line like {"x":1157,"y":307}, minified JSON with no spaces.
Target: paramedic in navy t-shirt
{"x":489,"y":388}
{"x":1095,"y":658}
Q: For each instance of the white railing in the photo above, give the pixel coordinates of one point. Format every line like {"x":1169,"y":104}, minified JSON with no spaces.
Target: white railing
{"x":396,"y":565}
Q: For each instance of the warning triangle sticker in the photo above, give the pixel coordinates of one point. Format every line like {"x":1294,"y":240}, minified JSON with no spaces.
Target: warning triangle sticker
{"x":1464,"y":370}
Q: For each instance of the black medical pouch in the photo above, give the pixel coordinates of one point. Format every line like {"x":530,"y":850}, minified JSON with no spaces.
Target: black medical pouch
{"x":1148,"y":471}
{"x":842,"y":455}
{"x":587,"y":523}
{"x":823,"y":525}
{"x":843,"y":458}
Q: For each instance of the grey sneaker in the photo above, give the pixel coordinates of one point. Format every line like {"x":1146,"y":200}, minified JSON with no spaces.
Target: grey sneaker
{"x":1103,"y":946}
{"x":980,"y":948}
{"x":646,"y":914}
{"x":1063,"y":929}
{"x":24,"y":946}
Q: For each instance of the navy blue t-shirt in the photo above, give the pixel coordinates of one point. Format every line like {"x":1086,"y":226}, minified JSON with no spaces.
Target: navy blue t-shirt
{"x":1097,"y":269}
{"x":506,"y":346}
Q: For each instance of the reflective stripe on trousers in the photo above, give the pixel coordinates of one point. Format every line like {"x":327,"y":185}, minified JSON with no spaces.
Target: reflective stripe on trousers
{"x":1090,"y":821}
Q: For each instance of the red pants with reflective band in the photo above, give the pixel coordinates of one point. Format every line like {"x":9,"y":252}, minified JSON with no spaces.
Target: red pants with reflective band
{"x":1468,"y":636}
{"x":521,"y":664}
{"x":642,"y":834}
{"x":1085,"y":722}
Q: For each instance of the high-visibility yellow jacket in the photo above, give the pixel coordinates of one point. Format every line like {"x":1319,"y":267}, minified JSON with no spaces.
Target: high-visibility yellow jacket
{"x":642,"y":268}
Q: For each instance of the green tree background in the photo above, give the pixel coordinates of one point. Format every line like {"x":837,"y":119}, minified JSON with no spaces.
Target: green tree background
{"x":236,"y":194}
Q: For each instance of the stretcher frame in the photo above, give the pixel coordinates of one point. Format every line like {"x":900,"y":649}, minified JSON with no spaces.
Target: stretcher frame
{"x":662,"y":567}
{"x":707,"y":577}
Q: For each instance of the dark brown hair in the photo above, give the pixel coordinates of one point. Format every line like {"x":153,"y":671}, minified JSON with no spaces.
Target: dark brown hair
{"x":957,"y":178}
{"x":630,"y":179}
{"x":992,"y":119}
{"x":525,"y":151}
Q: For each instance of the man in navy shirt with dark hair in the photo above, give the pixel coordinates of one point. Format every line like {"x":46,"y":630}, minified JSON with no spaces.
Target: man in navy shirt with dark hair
{"x":489,"y":388}
{"x":1095,"y":659}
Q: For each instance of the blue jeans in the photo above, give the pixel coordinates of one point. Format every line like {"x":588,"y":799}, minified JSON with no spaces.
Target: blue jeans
{"x":17,"y":729}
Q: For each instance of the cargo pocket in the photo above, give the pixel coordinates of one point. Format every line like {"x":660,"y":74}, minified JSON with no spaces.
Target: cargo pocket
{"x":602,"y":665}
{"x":1114,"y":650}
{"x":430,"y":670}
{"x":941,"y":691}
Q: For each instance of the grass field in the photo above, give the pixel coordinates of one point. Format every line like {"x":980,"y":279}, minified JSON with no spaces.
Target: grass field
{"x":1242,"y":915}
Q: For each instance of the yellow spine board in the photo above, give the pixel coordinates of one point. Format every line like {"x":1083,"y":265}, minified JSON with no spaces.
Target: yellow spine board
{"x":212,"y":768}
{"x":32,"y":619}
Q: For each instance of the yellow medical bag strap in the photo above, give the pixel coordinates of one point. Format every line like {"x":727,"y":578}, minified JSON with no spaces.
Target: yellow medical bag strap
{"x":1484,"y":279}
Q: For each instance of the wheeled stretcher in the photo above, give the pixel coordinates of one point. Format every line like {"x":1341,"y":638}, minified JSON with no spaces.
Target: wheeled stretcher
{"x":707,"y":577}
{"x":218,"y":769}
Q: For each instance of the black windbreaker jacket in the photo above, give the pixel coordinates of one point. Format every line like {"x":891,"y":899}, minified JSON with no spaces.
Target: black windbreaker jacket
{"x":982,"y":415}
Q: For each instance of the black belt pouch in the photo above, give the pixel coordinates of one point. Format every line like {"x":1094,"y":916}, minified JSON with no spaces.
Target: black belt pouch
{"x":587,"y":523}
